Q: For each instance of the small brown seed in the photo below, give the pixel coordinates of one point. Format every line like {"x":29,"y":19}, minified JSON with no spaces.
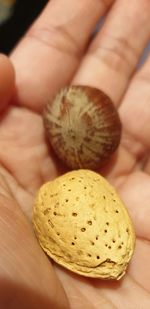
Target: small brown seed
{"x":83,"y":126}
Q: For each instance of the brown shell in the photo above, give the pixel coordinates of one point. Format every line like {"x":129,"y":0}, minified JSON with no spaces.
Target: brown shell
{"x":83,"y":126}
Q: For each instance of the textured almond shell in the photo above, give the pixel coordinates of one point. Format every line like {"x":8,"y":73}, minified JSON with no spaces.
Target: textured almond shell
{"x":82,"y":224}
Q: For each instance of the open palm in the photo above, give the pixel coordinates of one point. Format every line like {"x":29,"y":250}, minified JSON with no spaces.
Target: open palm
{"x":54,"y":53}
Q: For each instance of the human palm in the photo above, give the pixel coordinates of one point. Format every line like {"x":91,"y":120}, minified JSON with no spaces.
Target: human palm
{"x":52,"y":54}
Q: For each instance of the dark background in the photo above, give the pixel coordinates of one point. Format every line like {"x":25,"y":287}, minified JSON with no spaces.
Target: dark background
{"x":25,"y":11}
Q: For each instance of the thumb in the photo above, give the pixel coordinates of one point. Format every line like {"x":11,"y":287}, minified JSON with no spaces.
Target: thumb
{"x":27,"y":278}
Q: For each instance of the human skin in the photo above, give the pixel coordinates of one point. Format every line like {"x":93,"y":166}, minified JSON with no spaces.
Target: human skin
{"x":55,"y":51}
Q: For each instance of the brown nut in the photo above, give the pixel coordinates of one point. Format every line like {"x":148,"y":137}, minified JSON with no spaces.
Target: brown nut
{"x":82,"y":126}
{"x":82,"y":224}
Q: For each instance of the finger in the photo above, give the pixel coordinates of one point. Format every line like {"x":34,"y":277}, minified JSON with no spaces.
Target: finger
{"x":134,"y":184}
{"x":115,"y":52}
{"x":140,"y":261}
{"x":7,"y":81}
{"x":50,"y":52}
{"x":27,"y":279}
{"x":135,"y":114}
{"x":135,"y":193}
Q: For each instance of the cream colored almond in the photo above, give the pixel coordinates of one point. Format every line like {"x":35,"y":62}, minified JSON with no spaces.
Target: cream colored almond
{"x":82,"y":224}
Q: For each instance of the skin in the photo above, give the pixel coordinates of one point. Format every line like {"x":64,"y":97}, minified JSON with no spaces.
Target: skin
{"x":54,"y":52}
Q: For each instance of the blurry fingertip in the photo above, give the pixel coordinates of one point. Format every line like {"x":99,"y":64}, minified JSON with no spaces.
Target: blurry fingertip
{"x":7,"y":66}
{"x":7,"y":81}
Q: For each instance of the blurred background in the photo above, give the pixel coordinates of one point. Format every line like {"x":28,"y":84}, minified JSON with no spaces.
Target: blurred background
{"x":17,"y":15}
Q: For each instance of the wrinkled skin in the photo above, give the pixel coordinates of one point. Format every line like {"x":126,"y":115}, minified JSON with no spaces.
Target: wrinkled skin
{"x":53,"y":53}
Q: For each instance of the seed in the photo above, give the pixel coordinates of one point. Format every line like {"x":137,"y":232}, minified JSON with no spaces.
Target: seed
{"x":79,"y":235}
{"x":83,"y":126}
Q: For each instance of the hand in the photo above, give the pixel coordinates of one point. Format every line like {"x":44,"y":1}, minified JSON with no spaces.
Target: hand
{"x":54,"y":52}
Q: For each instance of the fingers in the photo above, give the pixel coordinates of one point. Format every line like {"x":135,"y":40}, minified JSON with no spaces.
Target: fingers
{"x":136,"y":195}
{"x":27,"y":279}
{"x":135,"y":117}
{"x":115,"y":52}
{"x":140,"y":261}
{"x":7,"y":81}
{"x":50,"y":53}
{"x":135,"y":114}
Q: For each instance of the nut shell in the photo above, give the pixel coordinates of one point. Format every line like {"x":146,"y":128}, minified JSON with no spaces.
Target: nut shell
{"x":82,"y":224}
{"x":82,"y":126}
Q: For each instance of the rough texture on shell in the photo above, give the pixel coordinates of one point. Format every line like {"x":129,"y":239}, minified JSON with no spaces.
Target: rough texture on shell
{"x":83,"y":126}
{"x":82,"y":224}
